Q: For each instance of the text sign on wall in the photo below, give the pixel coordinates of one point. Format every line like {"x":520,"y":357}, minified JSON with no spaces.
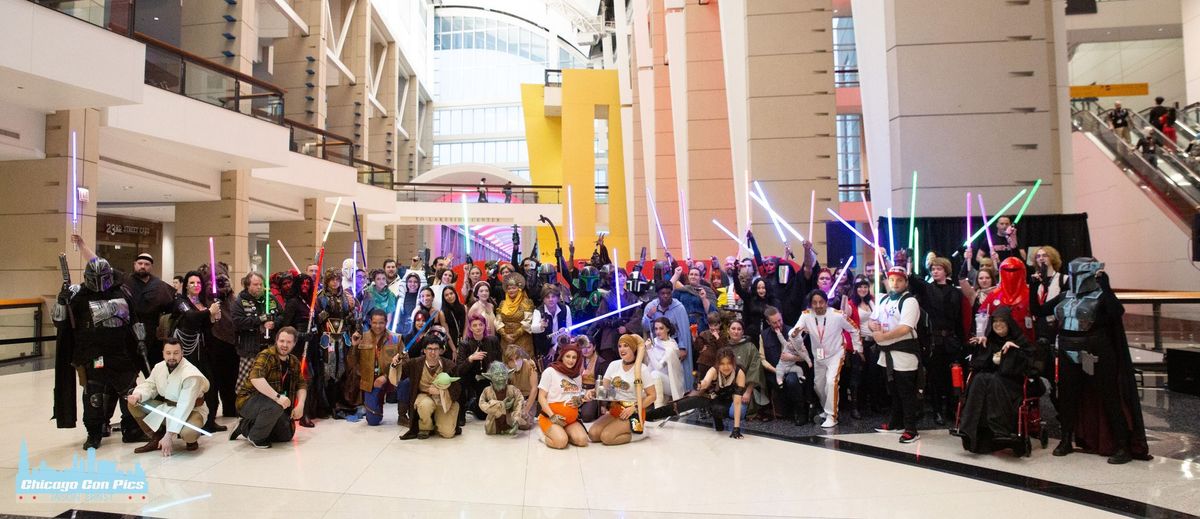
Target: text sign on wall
{"x":1119,"y":89}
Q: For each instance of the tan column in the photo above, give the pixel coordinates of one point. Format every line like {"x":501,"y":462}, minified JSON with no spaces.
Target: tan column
{"x":205,"y":28}
{"x":300,"y":65}
{"x":349,"y":112}
{"x":227,"y":221}
{"x":35,"y":214}
{"x":791,"y":107}
{"x":380,"y":250}
{"x":710,"y":163}
{"x":302,"y":238}
{"x":382,"y":126}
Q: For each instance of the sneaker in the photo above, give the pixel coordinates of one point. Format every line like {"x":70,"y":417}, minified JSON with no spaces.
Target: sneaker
{"x":909,"y":437}
{"x":829,"y":422}
{"x":885,"y":428}
{"x":822,"y":415}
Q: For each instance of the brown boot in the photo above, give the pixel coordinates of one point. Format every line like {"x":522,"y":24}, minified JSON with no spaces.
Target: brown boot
{"x":193,"y":446}
{"x":151,"y":445}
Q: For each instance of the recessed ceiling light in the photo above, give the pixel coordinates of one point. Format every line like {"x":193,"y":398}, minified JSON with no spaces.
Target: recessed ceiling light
{"x":1160,"y":29}
{"x":127,"y":188}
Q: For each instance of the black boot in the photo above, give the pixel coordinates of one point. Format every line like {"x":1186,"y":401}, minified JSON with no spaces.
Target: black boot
{"x":718,"y":422}
{"x":1066,"y":446}
{"x":1120,"y":457}
{"x":94,"y":435}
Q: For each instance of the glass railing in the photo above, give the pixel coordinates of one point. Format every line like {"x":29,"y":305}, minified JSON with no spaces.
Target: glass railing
{"x":453,"y":193}
{"x":315,"y":142}
{"x":21,"y":332}
{"x":176,"y":70}
{"x":1168,"y":177}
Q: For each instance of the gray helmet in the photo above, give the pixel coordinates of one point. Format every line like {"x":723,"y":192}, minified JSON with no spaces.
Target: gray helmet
{"x":1083,"y":275}
{"x":98,"y":275}
{"x":547,"y":273}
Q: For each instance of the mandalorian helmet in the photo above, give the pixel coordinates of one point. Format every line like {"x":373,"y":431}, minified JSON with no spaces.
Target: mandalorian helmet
{"x":1083,"y":275}
{"x":588,"y":279}
{"x":547,"y":273}
{"x":98,"y":275}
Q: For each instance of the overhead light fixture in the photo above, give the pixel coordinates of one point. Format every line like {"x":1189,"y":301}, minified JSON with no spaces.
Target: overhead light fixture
{"x":126,"y":188}
{"x":156,"y":18}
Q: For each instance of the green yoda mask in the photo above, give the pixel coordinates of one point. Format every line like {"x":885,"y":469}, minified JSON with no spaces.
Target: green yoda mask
{"x":497,"y":374}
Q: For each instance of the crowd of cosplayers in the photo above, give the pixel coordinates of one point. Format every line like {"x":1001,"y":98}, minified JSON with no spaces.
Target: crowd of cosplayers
{"x":565,"y":346}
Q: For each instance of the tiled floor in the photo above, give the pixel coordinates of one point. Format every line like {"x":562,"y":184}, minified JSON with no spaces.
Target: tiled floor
{"x":342,"y":469}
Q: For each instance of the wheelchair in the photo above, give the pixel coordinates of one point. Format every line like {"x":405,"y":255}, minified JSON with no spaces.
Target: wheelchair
{"x":1030,"y":424}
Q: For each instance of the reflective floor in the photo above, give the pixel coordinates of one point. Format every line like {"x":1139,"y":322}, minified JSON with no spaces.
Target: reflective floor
{"x":342,"y":469}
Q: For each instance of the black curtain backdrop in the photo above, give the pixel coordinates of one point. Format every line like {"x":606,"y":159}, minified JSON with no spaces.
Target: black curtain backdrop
{"x":1066,"y":232}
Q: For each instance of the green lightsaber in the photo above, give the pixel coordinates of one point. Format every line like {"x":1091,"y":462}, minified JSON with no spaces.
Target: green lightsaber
{"x":994,"y":217}
{"x":1028,"y":199}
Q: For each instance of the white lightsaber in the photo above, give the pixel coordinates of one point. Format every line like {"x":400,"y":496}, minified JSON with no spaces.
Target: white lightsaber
{"x":570,"y":216}
{"x":778,"y":228}
{"x":841,"y":274}
{"x":176,"y":420}
{"x":333,"y":216}
{"x":851,"y":227}
{"x":730,"y":234}
{"x":657,"y":221}
{"x":763,"y":203}
{"x":288,"y":255}
{"x":576,"y":326}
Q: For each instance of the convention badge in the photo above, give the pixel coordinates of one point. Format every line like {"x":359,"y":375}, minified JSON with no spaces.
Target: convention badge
{"x":98,"y":362}
{"x":820,"y":353}
{"x":1089,"y":362}
{"x":1028,"y":322}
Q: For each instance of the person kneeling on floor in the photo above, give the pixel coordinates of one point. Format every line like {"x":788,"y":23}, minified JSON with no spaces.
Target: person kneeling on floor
{"x":265,"y":400}
{"x":435,"y":390}
{"x":175,"y":388}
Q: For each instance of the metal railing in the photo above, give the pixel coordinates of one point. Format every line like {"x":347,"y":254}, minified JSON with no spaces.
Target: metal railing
{"x":323,"y":144}
{"x":494,"y":194}
{"x":176,"y":70}
{"x":36,"y":338}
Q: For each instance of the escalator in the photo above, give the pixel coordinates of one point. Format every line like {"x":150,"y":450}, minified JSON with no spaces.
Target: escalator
{"x":1173,"y":178}
{"x":1187,"y":124}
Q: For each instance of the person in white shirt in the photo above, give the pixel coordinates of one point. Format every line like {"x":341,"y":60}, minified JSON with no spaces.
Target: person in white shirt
{"x":824,"y":327}
{"x":664,"y":355}
{"x":176,"y":388}
{"x":894,"y":327}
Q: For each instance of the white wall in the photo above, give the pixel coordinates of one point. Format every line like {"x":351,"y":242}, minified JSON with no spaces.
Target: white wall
{"x":1190,"y":10}
{"x":29,"y":125}
{"x":1157,"y":62}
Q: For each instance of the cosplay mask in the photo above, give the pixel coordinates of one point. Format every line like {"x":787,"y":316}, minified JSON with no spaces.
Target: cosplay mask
{"x":497,"y":374}
{"x":1083,"y":275}
{"x":98,"y":275}
{"x":588,"y":279}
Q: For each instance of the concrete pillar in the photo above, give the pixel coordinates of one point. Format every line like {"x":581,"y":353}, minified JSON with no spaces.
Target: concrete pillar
{"x":382,"y":126}
{"x":380,"y":250}
{"x":349,"y":111}
{"x":791,"y":108}
{"x":35,"y":202}
{"x":207,"y":32}
{"x":227,"y":221}
{"x":301,"y":67}
{"x":709,"y":184}
{"x":302,"y":238}
{"x":992,"y":123}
